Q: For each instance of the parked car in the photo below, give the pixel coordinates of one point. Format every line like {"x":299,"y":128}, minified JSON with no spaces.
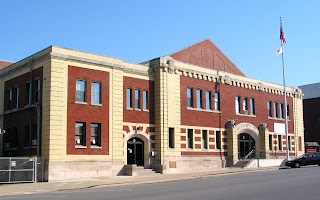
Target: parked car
{"x":305,"y":159}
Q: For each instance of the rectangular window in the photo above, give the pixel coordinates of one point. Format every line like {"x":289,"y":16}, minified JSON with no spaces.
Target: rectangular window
{"x":137,"y":98}
{"x":14,"y":138}
{"x":80,"y":133}
{"x":189,"y":97}
{"x":145,"y":100}
{"x":10,"y":99}
{"x":28,"y":100}
{"x":245,"y":105}
{"x":289,"y":143}
{"x":204,"y":139}
{"x":218,"y":139}
{"x":96,"y":134}
{"x":190,"y":138}
{"x":96,"y":93}
{"x":208,"y":100}
{"x":27,"y":136}
{"x":16,"y":92}
{"x":217,"y":101}
{"x":275,"y":109}
{"x":81,"y":91}
{"x":252,"y":107}
{"x":270,"y":142}
{"x":269,"y":108}
{"x":199,"y":98}
{"x":36,"y":86}
{"x":288,"y":114}
{"x":129,"y":98}
{"x":171,"y":137}
{"x":237,"y":103}
{"x":280,"y":142}
{"x":34,"y":135}
{"x":281,"y":111}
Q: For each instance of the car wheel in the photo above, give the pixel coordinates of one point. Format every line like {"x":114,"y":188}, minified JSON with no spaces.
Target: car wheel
{"x":297,"y":165}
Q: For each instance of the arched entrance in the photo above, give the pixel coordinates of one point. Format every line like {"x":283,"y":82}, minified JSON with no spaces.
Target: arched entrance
{"x":135,"y":151}
{"x":246,"y":144}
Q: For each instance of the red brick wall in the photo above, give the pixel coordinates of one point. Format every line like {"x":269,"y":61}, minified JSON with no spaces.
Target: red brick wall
{"x":21,"y":118}
{"x":86,"y":112}
{"x":138,"y":115}
{"x":227,"y":105}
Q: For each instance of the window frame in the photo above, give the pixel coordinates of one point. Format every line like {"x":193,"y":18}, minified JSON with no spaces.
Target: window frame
{"x":145,"y":94}
{"x":217,"y":101}
{"x":137,"y":99}
{"x":83,"y":92}
{"x":208,"y":100}
{"x":199,"y":98}
{"x":129,"y":97}
{"x":204,"y":139}
{"x":237,"y":104}
{"x":280,"y":147}
{"x":269,"y":106}
{"x":218,"y":139}
{"x":81,"y":135}
{"x":37,"y":90}
{"x":190,"y":97}
{"x":96,"y":94}
{"x":252,"y":106}
{"x":95,"y":134}
{"x":171,"y":138}
{"x":190,"y":142}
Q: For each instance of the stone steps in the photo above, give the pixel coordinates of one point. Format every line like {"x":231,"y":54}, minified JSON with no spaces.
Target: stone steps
{"x":141,"y":171}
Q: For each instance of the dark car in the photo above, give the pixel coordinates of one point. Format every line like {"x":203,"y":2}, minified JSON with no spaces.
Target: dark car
{"x":305,"y":159}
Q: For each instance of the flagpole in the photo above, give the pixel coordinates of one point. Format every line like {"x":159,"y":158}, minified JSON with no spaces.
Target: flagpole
{"x":285,"y":93}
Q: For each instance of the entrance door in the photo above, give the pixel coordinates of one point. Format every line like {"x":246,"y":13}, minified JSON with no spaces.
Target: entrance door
{"x":246,"y":144}
{"x":135,"y":152}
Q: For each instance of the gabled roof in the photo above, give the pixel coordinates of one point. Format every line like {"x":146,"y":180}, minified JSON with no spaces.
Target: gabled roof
{"x":4,"y":64}
{"x":206,"y":54}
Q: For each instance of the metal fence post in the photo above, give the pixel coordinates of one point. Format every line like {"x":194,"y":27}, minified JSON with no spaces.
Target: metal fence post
{"x":35,"y":169}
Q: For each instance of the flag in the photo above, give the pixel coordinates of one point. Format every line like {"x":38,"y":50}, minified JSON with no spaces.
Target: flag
{"x":282,"y":36}
{"x":279,"y":51}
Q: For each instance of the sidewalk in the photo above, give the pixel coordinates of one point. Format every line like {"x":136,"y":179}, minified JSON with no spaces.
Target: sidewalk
{"x":29,"y":188}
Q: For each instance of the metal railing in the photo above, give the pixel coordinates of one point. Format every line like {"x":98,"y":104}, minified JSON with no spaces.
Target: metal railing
{"x":21,"y":169}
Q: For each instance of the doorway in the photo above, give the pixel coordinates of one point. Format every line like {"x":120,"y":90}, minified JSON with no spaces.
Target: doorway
{"x":135,"y":151}
{"x":245,"y":146}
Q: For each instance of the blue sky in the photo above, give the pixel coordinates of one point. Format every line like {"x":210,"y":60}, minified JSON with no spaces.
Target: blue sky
{"x":136,"y":31}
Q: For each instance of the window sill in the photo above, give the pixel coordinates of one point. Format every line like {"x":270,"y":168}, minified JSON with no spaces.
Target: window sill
{"x":203,"y":110}
{"x":145,"y":110}
{"x":80,"y":147}
{"x":138,"y":109}
{"x":15,"y":148}
{"x":96,"y":104}
{"x":129,"y":108}
{"x":280,"y":119}
{"x":245,"y":115}
{"x":95,"y":147}
{"x":80,"y":102}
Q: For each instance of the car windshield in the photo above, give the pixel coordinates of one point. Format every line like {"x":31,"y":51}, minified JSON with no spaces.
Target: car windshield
{"x":303,"y":156}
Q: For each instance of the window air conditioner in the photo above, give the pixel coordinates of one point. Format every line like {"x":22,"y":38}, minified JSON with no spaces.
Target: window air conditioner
{"x":34,"y":142}
{"x":6,"y":145}
{"x":77,"y":141}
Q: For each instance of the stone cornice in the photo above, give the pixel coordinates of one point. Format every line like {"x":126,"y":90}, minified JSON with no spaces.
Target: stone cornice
{"x":171,"y":66}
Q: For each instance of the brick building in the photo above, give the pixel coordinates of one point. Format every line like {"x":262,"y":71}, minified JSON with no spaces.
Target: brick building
{"x":90,"y":115}
{"x":311,"y":112}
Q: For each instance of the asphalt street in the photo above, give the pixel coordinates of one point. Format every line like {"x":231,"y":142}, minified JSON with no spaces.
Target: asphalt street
{"x":293,"y":184}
